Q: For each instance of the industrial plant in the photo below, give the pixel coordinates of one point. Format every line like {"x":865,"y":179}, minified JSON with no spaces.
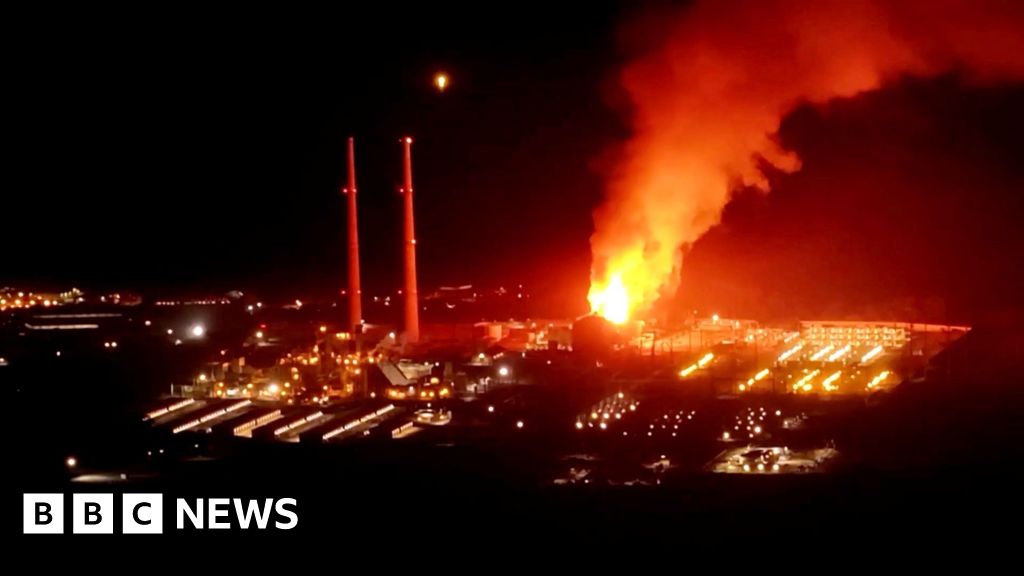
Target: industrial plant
{"x":738,"y":272}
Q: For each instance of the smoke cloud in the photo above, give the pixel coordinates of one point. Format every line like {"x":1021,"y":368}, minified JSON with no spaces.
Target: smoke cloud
{"x":706,"y":102}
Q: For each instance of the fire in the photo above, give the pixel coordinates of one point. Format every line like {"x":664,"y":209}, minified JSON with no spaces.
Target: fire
{"x":611,"y":300}
{"x":626,"y":281}
{"x":707,"y":101}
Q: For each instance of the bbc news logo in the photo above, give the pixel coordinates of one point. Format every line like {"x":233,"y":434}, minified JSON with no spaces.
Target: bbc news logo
{"x":144,"y":514}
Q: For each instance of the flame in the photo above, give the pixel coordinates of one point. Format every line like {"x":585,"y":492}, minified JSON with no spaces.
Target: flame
{"x":610,"y":301}
{"x":706,"y":103}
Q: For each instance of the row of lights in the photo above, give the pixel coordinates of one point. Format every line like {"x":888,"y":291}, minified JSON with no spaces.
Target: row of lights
{"x":358,"y":422}
{"x":704,"y":361}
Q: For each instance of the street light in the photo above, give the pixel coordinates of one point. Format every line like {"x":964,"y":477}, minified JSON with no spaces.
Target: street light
{"x":198,"y":330}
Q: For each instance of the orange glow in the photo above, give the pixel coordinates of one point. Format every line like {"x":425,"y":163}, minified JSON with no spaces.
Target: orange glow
{"x":610,"y":300}
{"x":788,"y":353}
{"x":821,"y":353}
{"x":804,"y":384}
{"x":441,"y":81}
{"x":829,"y":383}
{"x":871,"y":354}
{"x":706,"y":102}
{"x":878,"y":380}
{"x":704,"y":360}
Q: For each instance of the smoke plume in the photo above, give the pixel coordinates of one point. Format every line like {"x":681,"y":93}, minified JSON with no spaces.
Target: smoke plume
{"x":707,"y":101}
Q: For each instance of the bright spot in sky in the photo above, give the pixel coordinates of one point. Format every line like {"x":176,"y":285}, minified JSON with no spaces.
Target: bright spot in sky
{"x":441,"y":81}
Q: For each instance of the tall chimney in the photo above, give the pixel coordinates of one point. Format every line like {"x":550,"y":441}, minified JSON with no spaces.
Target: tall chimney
{"x":412,"y":306}
{"x":355,"y":291}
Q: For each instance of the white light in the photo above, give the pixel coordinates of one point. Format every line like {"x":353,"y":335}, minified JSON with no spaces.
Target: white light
{"x":871,"y":354}
{"x":441,"y":81}
{"x":198,"y":330}
{"x":490,"y":408}
{"x":71,"y":462}
{"x":519,"y":424}
{"x":503,"y":371}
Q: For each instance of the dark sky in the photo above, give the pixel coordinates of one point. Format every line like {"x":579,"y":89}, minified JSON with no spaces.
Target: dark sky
{"x":202,"y":150}
{"x":909,"y":204}
{"x":206,"y":149}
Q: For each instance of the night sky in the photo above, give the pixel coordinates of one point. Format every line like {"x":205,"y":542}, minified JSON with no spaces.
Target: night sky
{"x":202,"y":152}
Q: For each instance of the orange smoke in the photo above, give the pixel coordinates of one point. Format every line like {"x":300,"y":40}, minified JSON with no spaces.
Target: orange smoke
{"x":707,"y":102}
